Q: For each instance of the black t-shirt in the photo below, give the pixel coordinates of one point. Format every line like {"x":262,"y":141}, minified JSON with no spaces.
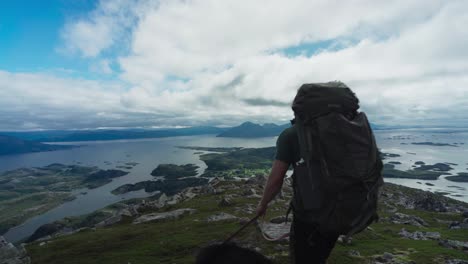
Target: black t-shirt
{"x":287,"y":146}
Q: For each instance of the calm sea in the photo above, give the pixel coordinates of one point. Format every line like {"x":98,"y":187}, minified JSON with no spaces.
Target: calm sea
{"x":148,"y":153}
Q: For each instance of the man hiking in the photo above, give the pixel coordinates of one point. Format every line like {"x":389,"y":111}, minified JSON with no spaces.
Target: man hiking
{"x":337,"y":170}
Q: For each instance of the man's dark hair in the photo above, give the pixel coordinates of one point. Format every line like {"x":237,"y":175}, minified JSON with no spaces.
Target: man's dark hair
{"x":230,"y":253}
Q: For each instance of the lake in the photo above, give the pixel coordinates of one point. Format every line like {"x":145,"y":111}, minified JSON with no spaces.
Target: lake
{"x":151,"y":152}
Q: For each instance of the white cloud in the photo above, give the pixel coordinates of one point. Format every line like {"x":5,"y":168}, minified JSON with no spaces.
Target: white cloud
{"x":103,"y":28}
{"x":102,"y":66}
{"x":221,"y":62}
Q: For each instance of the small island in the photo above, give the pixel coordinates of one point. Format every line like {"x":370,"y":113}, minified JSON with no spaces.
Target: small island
{"x":102,"y":177}
{"x":239,"y":163}
{"x":435,"y":167}
{"x":460,"y":177}
{"x":169,"y":187}
{"x":388,"y":155}
{"x":389,"y":171}
{"x":216,"y":149}
{"x":434,"y":144}
{"x":174,"y":171}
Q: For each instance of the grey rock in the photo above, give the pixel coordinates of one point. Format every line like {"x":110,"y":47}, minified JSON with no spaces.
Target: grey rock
{"x":208,"y":189}
{"x":157,"y":217}
{"x":455,"y":244}
{"x":456,"y":261}
{"x":9,"y":254}
{"x":249,"y":192}
{"x":418,"y":235}
{"x":354,"y":253}
{"x":225,"y":201}
{"x":345,"y":240}
{"x":125,"y":212}
{"x":259,"y":179}
{"x":162,"y":200}
{"x":399,"y":218}
{"x":430,"y":202}
{"x":391,"y":209}
{"x":109,"y":221}
{"x":458,"y":225}
{"x":221,"y":217}
{"x":447,"y":222}
{"x":243,"y":220}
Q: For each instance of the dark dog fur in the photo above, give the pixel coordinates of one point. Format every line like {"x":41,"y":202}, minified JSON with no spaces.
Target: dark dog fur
{"x":230,"y":253}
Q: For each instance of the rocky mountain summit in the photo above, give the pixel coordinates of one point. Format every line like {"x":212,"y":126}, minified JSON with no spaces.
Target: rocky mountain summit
{"x":415,"y":227}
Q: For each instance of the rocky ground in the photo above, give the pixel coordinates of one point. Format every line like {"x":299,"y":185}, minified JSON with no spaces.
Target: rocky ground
{"x":415,"y":227}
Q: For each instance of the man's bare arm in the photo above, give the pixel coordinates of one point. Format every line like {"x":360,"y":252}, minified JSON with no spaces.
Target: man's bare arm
{"x":273,"y":185}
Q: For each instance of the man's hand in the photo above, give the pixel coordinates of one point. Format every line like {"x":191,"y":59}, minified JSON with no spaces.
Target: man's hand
{"x":261,"y":209}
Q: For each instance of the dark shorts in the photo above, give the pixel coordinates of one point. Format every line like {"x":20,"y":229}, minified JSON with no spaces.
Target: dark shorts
{"x":307,"y":245}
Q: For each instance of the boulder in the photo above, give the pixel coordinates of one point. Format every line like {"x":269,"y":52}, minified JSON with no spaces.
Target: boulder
{"x":458,"y":225}
{"x":430,"y":202}
{"x":399,"y":218}
{"x":125,"y":212}
{"x":9,"y":254}
{"x":455,"y":244}
{"x":249,"y":192}
{"x":386,"y":257}
{"x":221,"y":217}
{"x":418,"y":235}
{"x":456,"y":261}
{"x":345,"y":240}
{"x":225,"y":201}
{"x":243,"y":220}
{"x":208,"y":189}
{"x":110,"y":221}
{"x":158,"y":217}
{"x":162,"y":200}
{"x":258,"y":179}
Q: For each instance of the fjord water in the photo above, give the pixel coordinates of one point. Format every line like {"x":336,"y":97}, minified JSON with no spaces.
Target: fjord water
{"x":151,"y":152}
{"x":107,"y":155}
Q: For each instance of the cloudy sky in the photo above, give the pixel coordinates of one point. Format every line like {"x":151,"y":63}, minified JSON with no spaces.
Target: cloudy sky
{"x":140,"y":63}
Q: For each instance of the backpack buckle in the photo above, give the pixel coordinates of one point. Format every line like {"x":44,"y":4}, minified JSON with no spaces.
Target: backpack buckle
{"x":300,"y":162}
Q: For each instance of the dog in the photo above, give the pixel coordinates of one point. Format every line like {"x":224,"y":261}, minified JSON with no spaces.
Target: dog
{"x":230,"y":253}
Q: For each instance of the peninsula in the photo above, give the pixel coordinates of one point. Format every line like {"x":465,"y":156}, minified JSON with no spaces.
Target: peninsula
{"x":27,"y":192}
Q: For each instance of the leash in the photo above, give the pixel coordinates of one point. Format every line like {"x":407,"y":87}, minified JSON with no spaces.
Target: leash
{"x":240,"y":229}
{"x":265,"y":235}
{"x":271,"y":239}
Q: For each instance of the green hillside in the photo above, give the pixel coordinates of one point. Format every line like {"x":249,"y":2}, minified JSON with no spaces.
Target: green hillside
{"x":177,"y":240}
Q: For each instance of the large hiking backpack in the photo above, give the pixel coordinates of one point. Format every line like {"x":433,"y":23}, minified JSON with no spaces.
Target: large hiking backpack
{"x":337,"y":181}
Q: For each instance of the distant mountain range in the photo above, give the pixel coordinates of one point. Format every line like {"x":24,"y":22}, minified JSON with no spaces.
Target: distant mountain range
{"x":252,"y":130}
{"x":23,"y":142}
{"x":93,"y":135}
{"x":11,"y":145}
